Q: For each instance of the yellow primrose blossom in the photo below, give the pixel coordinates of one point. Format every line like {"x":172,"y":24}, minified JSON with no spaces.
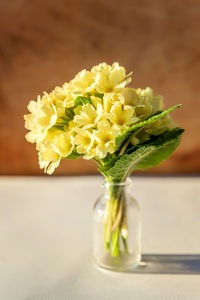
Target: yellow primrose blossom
{"x":83,"y":140}
{"x":156,"y":128}
{"x":65,"y":94}
{"x":110,"y":99}
{"x":91,"y":150}
{"x":49,"y":160}
{"x":105,"y":138}
{"x":122,"y":115}
{"x":109,"y":79}
{"x":130,"y":96}
{"x":56,"y":145}
{"x":88,"y":116}
{"x":83,"y":82}
{"x":160,"y":126}
{"x":148,"y":104}
{"x":63,"y":144}
{"x":106,"y":102}
{"x":95,"y":101}
{"x":42,"y":117}
{"x":143,"y":100}
{"x":60,"y":108}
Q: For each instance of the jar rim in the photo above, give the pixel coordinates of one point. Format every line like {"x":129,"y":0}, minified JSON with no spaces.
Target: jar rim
{"x":125,"y":183}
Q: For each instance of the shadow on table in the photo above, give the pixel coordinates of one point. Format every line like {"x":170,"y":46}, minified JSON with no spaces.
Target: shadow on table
{"x":169,"y":264}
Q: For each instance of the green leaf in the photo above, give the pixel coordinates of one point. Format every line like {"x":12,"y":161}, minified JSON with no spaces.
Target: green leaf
{"x":146,"y":155}
{"x":73,"y":155}
{"x":163,"y":150}
{"x":109,"y":160}
{"x":131,"y":130}
{"x":81,"y":100}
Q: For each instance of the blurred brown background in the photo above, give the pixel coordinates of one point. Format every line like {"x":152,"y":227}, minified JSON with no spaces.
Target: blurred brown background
{"x":45,"y":43}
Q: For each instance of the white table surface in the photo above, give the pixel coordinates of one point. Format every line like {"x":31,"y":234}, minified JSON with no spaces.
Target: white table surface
{"x":46,"y":240}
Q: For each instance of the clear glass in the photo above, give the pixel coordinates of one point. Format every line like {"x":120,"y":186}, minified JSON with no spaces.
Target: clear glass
{"x":117,"y":228}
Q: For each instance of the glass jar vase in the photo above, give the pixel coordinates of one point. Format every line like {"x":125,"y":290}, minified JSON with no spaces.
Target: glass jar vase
{"x":117,"y":228}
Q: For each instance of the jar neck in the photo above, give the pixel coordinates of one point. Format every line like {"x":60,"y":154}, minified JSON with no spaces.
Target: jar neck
{"x":115,"y":188}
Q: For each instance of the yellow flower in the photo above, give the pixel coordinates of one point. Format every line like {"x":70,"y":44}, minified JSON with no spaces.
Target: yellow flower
{"x":95,"y":101}
{"x":104,"y":104}
{"x":88,"y":116}
{"x":109,"y":79}
{"x":56,"y":145}
{"x":143,"y":100}
{"x":130,"y":96}
{"x":105,"y":138}
{"x":143,"y":110}
{"x":107,"y":103}
{"x":156,"y":128}
{"x":42,"y":117}
{"x":91,"y":150}
{"x":110,"y":99}
{"x":60,"y":108}
{"x":63,"y":144}
{"x":65,"y":94}
{"x":48,"y":160}
{"x":103,"y":78}
{"x":160,"y":126}
{"x":83,"y":140}
{"x":148,"y":104}
{"x":122,"y":115}
{"x":83,"y":82}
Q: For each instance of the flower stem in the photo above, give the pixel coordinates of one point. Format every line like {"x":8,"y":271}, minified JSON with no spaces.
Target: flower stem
{"x":115,"y":243}
{"x":125,"y":244}
{"x":115,"y":226}
{"x":108,"y":224}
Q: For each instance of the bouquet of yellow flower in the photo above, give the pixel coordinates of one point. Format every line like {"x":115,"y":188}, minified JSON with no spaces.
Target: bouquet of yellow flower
{"x":97,"y":117}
